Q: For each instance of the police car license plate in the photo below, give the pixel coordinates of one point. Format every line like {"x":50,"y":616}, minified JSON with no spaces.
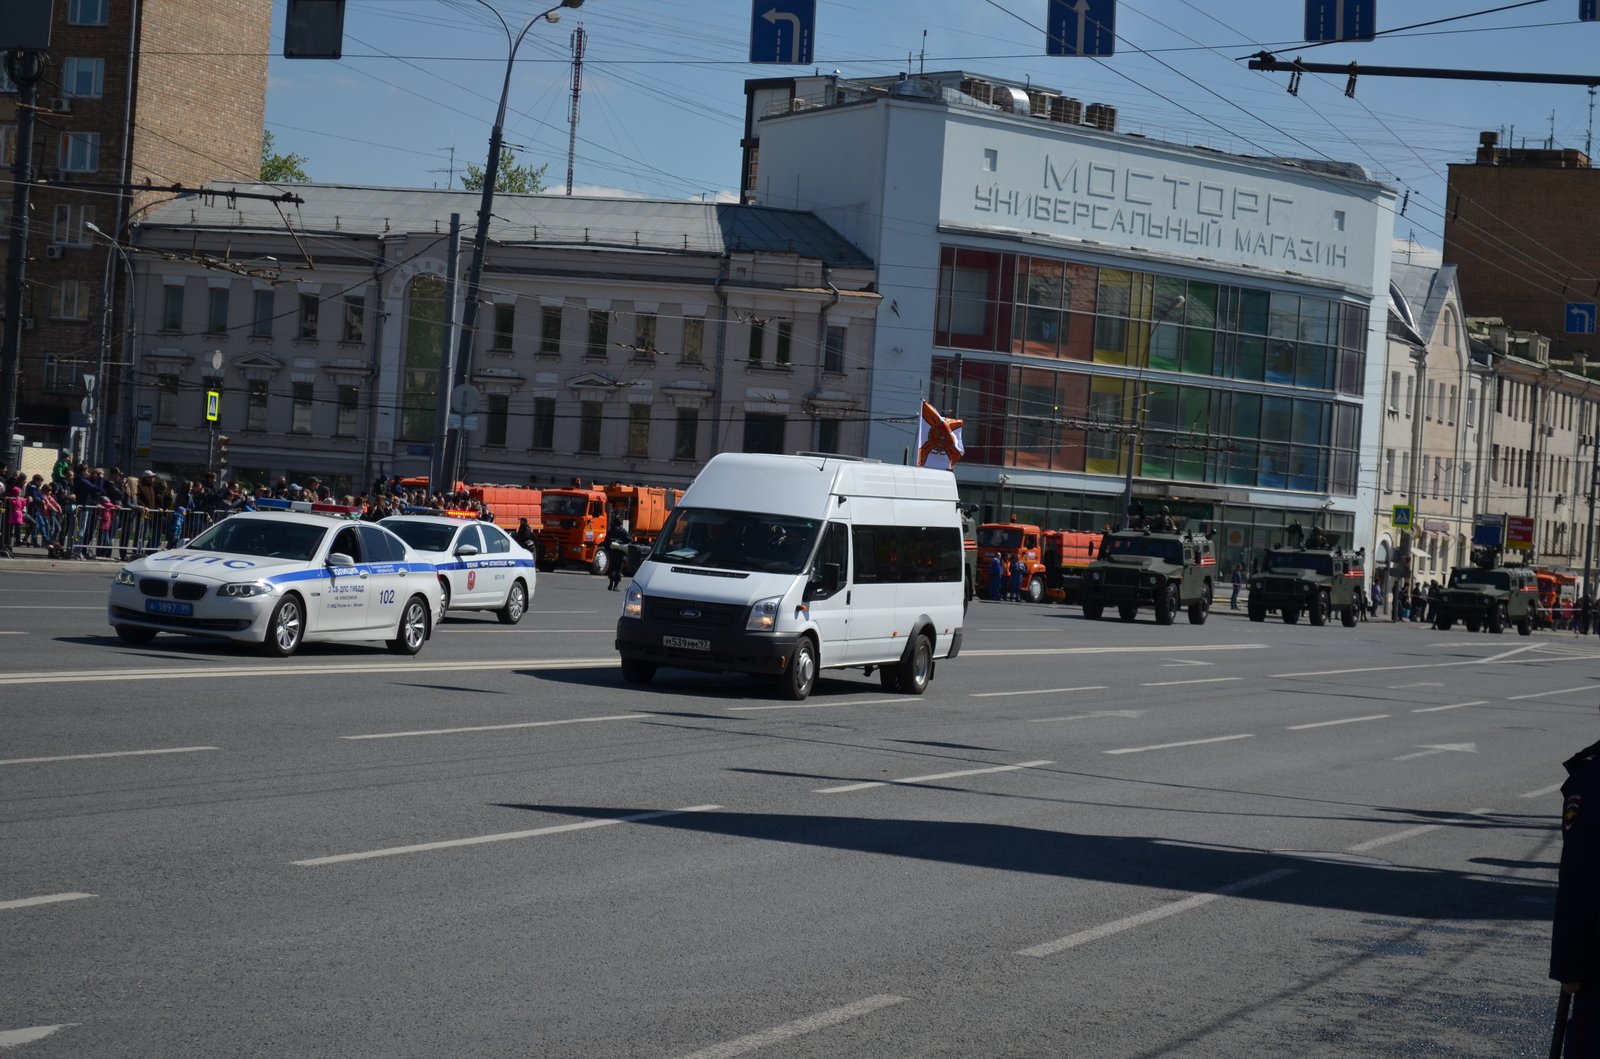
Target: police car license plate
{"x":161,"y":606}
{"x":687,"y":645}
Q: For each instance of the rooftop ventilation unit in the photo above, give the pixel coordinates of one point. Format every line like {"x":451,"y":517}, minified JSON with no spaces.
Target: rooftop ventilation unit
{"x":982,"y":91}
{"x":1102,"y":117}
{"x":1066,"y":111}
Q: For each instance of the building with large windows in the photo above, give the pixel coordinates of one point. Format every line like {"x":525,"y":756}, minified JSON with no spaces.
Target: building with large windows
{"x":1081,"y":298}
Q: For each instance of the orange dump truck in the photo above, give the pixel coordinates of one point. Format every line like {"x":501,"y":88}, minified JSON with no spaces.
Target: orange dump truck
{"x":510,"y":504}
{"x":1065,"y":555}
{"x":578,"y":520}
{"x":1012,"y":540}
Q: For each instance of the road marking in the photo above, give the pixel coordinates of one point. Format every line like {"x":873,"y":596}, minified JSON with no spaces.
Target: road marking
{"x":1429,"y":749}
{"x":1086,"y":716}
{"x":797,"y":1028}
{"x":114,"y":753}
{"x":1118,"y":650}
{"x":1207,"y":680}
{"x":13,"y":632}
{"x":1398,"y":836}
{"x":929,"y":779}
{"x":508,"y":836}
{"x":1187,"y":742}
{"x":51,"y":608}
{"x":1429,"y":665}
{"x":501,"y":727}
{"x":1422,"y":684}
{"x":1176,"y":662}
{"x":817,"y":705}
{"x":473,"y":627}
{"x":332,"y":669}
{"x":1040,"y":691}
{"x":1542,"y":791}
{"x":47,"y":899}
{"x":1562,"y":691}
{"x":1457,"y":706}
{"x":12,"y":1038}
{"x":1342,"y":720}
{"x":1083,"y":937}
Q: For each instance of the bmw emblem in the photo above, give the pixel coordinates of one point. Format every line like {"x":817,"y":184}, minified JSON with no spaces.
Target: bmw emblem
{"x":174,"y":577}
{"x":689,"y":613}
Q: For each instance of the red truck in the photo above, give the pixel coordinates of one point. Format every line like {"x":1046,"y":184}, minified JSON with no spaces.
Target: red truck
{"x":577,"y":521}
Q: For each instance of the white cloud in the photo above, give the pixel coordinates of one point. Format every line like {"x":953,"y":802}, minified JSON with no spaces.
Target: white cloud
{"x":595,"y":191}
{"x":1411,"y":252}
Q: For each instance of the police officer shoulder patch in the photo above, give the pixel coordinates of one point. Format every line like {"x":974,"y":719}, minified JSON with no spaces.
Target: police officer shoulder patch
{"x":1569,"y":812}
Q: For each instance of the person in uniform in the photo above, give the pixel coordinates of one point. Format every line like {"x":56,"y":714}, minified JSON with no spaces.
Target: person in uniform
{"x":1574,"y":943}
{"x":1162,"y":523}
{"x":996,"y":577}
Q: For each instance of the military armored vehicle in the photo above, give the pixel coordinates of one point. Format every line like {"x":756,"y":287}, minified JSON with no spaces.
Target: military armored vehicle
{"x":1489,"y":596}
{"x":1317,"y":579}
{"x":1164,"y":569}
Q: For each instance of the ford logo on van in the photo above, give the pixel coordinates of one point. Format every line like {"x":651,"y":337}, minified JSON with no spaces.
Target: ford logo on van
{"x":689,"y":613}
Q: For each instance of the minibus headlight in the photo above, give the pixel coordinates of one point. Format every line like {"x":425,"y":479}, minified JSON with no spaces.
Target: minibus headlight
{"x":764,"y":615}
{"x":633,"y":605}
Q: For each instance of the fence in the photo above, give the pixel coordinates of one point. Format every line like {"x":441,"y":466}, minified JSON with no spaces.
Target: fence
{"x":111,"y":533}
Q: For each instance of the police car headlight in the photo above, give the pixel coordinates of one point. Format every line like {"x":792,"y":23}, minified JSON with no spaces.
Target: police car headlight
{"x":764,"y":615}
{"x":125,"y":577}
{"x":633,"y":605}
{"x":245,"y":589}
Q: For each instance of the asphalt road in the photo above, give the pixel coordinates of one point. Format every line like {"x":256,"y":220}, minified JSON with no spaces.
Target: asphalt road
{"x":1087,"y":839}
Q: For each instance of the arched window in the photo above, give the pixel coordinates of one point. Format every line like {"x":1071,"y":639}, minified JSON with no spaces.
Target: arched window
{"x":419,"y":386}
{"x":1447,"y":324}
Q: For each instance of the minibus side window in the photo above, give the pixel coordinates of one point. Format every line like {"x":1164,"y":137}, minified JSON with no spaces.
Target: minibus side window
{"x":835,"y":548}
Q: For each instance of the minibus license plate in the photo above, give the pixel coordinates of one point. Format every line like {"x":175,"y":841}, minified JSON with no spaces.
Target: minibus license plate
{"x":686,"y":645}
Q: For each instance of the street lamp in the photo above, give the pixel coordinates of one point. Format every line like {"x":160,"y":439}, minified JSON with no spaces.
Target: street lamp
{"x":1133,"y":433}
{"x":96,"y":436}
{"x":480,"y":239}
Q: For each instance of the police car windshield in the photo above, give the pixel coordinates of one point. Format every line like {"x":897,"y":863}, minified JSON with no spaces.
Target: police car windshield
{"x":570,"y":506}
{"x":736,"y":540}
{"x":1171,"y":551}
{"x":1320,"y":564}
{"x":272,"y":538}
{"x":1492,"y":578}
{"x":423,"y":536}
{"x":999,"y":537}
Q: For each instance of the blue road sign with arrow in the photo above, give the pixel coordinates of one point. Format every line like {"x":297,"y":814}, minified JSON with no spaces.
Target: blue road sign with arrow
{"x":1081,"y":27}
{"x":1589,"y":10}
{"x":1580,"y":318}
{"x":1341,"y":19}
{"x":782,"y":32}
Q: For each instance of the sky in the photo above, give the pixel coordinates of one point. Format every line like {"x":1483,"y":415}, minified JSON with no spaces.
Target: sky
{"x":663,"y":97}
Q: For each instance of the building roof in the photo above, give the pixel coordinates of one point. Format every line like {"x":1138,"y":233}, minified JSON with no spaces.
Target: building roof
{"x":600,"y":223}
{"x":1417,"y":294}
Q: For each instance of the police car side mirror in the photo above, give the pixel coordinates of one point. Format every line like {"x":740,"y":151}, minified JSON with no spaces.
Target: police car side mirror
{"x":467,"y":549}
{"x":340,"y":559}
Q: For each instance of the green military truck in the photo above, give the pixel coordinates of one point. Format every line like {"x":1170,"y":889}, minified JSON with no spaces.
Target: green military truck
{"x":1317,"y":579}
{"x":1489,"y":596}
{"x":1166,"y":570}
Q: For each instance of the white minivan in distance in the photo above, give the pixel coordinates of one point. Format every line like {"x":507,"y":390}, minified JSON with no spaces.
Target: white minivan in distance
{"x":788,"y":565}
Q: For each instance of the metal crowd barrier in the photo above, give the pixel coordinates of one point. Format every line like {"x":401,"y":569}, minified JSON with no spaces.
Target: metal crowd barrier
{"x":114,"y":533}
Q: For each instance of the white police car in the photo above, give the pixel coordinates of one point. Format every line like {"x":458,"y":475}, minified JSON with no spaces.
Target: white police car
{"x":480,"y":568}
{"x":278,"y":579}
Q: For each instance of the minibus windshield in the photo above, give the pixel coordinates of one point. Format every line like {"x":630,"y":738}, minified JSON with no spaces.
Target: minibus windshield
{"x":736,"y":540}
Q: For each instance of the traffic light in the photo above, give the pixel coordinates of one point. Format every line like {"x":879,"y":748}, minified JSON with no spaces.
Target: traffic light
{"x":222,"y":449}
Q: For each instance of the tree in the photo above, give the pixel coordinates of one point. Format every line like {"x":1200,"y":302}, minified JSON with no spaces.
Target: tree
{"x":510,"y":177}
{"x":281,"y":168}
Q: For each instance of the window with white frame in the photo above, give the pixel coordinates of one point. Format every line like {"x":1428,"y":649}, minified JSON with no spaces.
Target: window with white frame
{"x":1394,"y":391}
{"x":69,"y":227}
{"x":83,"y":78}
{"x":1472,"y":406}
{"x":355,"y":316}
{"x":303,"y":403}
{"x":63,"y":372}
{"x":1388,"y":471}
{"x":87,"y":12}
{"x":80,"y":152}
{"x":1450,"y":409}
{"x":172,"y":307}
{"x":69,"y":300}
{"x":167,"y":386}
{"x":255,"y":409}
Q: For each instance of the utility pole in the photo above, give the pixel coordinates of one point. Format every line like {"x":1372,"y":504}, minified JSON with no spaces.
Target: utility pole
{"x":440,"y":467}
{"x":1594,"y":483}
{"x":580,"y":40}
{"x":25,"y":68}
{"x":1414,"y":483}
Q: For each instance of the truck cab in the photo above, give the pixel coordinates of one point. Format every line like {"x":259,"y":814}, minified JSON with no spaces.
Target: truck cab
{"x":574,"y":529}
{"x":1012,"y":540}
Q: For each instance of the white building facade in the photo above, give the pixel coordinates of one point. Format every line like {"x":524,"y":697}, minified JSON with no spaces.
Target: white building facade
{"x":1059,"y":287}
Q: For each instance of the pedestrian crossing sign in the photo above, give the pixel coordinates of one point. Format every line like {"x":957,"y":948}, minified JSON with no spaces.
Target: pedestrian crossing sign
{"x":1401,"y":517}
{"x":213,"y":399}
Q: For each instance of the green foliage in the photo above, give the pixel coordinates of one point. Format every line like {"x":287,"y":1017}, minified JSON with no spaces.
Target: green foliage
{"x":510,"y":177}
{"x":281,"y":168}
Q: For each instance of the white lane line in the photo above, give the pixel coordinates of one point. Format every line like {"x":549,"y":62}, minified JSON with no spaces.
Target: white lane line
{"x":1177,"y":662}
{"x":1119,"y":650}
{"x":1455,"y":706}
{"x":1037,"y":691}
{"x":1186,"y":742}
{"x":1083,"y":937}
{"x":1430,"y":749}
{"x":1420,"y":684}
{"x":799,"y":1027}
{"x":819,"y":705}
{"x":929,"y":779}
{"x":114,"y":753}
{"x":1342,"y":720}
{"x":12,"y":1038}
{"x":51,"y":608}
{"x":1400,"y":836}
{"x":391,"y":668}
{"x":500,"y":727}
{"x":12,"y":632}
{"x":1206,"y":680}
{"x":1542,"y":791}
{"x":471,"y":628}
{"x":508,"y":836}
{"x":47,"y":899}
{"x":1086,"y":716}
{"x":1431,"y":665}
{"x":1561,"y":691}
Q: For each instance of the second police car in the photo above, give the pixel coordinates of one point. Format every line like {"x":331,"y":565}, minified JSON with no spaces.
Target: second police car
{"x":279,"y":579}
{"x":480,"y":568}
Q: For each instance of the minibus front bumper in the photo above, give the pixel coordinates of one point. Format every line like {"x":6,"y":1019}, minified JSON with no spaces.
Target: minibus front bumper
{"x":710,"y":650}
